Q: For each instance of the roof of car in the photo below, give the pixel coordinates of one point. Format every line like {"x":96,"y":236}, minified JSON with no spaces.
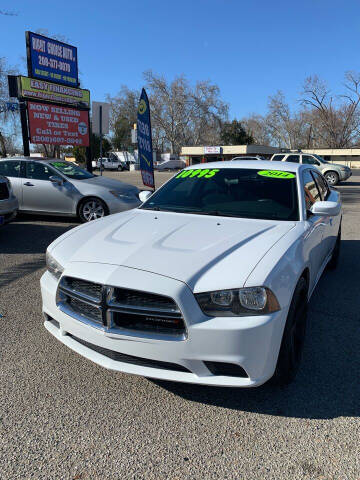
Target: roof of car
{"x":258,"y":164}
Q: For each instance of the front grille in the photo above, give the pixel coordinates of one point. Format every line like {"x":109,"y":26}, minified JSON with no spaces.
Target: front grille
{"x":120,"y":309}
{"x":122,"y":357}
{"x":4,"y":191}
{"x":85,"y":309}
{"x":92,"y":291}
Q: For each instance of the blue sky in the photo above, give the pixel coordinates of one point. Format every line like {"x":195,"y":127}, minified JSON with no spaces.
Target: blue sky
{"x":249,"y":48}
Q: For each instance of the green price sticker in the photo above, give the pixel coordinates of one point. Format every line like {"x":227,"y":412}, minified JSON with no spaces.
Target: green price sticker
{"x":275,"y":174}
{"x":198,"y":173}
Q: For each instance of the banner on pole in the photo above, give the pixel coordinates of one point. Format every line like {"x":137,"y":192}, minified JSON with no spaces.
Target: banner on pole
{"x":58,"y":125}
{"x":144,"y":140}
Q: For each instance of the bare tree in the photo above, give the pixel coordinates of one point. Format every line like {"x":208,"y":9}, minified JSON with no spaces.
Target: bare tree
{"x":335,"y":118}
{"x":257,"y":127}
{"x":287,"y":129}
{"x":182,"y":114}
{"x":9,"y":123}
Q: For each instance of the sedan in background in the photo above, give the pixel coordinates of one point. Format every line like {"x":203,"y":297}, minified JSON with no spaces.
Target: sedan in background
{"x":207,"y":282}
{"x":56,"y":187}
{"x":8,"y":202}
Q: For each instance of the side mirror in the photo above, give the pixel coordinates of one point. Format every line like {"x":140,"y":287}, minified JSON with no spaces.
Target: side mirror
{"x":144,"y":195}
{"x":56,"y":179}
{"x":326,"y":209}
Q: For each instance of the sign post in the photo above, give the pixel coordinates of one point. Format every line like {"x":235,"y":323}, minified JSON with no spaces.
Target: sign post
{"x":100,"y":123}
{"x":144,"y":140}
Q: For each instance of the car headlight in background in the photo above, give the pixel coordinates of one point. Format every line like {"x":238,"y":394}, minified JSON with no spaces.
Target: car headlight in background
{"x":123,"y":196}
{"x":53,"y":266}
{"x":240,"y":302}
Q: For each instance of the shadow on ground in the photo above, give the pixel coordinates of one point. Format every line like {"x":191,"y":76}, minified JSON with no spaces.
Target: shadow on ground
{"x":29,"y":234}
{"x":327,"y":385}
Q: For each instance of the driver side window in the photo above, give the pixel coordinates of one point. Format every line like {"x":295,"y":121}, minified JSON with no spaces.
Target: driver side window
{"x":38,"y":171}
{"x":308,"y":160}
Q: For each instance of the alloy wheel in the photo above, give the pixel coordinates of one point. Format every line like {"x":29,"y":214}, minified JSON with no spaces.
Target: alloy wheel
{"x":93,"y":210}
{"x":331,"y":178}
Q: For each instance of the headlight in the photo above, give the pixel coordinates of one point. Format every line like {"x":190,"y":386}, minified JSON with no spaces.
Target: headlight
{"x":241,"y":302}
{"x":53,"y":266}
{"x":122,"y":196}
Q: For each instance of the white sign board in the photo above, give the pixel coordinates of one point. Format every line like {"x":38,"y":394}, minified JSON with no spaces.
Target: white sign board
{"x":214,"y":150}
{"x":105,"y":110}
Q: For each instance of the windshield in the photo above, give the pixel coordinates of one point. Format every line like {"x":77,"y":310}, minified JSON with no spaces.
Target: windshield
{"x":71,"y":170}
{"x":232,"y":192}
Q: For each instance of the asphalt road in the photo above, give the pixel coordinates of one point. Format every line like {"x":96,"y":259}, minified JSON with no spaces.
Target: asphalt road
{"x":62,"y":417}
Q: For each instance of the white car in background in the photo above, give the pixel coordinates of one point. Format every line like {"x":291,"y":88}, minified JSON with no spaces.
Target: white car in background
{"x":333,"y":172}
{"x":207,"y":282}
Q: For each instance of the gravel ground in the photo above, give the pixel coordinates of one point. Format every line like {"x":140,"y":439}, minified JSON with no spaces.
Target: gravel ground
{"x":62,"y":417}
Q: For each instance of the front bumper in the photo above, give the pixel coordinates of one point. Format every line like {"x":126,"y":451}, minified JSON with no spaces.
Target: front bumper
{"x":117,"y":205}
{"x":345,"y":175}
{"x":250,"y":342}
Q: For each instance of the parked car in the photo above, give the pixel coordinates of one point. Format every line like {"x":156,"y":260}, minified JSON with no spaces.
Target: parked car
{"x":111,"y":164}
{"x":172,"y":164}
{"x":257,"y":157}
{"x":206,"y":282}
{"x":333,"y":172}
{"x":56,"y":187}
{"x":8,"y":202}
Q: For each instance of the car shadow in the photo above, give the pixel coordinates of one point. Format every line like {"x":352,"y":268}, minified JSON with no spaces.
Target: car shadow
{"x":30,"y":234}
{"x":327,"y":385}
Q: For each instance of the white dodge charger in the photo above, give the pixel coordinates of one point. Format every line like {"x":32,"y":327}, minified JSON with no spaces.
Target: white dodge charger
{"x":206,"y":282}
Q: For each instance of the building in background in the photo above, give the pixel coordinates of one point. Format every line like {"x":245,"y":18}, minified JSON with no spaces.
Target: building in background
{"x":203,"y":154}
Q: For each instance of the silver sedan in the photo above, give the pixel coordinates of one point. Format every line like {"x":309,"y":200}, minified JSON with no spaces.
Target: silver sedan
{"x":56,"y":187}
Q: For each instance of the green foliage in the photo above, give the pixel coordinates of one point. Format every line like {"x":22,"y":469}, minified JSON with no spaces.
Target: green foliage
{"x":95,"y":146}
{"x":233,"y":133}
{"x":80,"y":154}
{"x":121,"y":139}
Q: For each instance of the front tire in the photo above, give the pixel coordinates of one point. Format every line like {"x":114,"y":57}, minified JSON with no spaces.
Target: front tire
{"x":332,"y":178}
{"x":293,"y":337}
{"x":92,"y":208}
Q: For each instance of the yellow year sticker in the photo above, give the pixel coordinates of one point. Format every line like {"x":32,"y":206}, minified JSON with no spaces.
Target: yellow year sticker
{"x":275,"y":174}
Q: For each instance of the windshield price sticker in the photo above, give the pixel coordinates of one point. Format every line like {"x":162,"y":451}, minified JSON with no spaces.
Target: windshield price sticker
{"x":199,"y":173}
{"x":275,"y":174}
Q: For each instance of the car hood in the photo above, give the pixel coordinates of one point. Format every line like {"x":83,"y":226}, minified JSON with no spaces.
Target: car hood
{"x":204,"y":252}
{"x":108,"y":183}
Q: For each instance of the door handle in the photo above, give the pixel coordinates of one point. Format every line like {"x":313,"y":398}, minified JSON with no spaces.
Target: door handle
{"x":28,"y":184}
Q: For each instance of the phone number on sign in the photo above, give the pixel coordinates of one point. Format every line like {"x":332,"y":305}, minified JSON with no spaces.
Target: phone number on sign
{"x":52,"y":63}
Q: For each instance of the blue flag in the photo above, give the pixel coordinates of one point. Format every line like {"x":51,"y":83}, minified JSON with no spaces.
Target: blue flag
{"x":144,"y":140}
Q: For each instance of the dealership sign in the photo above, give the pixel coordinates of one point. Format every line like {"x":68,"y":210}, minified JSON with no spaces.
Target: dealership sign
{"x":58,"y":125}
{"x":51,"y":60}
{"x":212,"y":150}
{"x":144,"y":140}
{"x":35,"y":89}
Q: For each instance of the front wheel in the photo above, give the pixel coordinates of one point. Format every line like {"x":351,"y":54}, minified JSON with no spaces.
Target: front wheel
{"x":91,"y":209}
{"x":120,"y":168}
{"x":293,"y":337}
{"x":332,"y":178}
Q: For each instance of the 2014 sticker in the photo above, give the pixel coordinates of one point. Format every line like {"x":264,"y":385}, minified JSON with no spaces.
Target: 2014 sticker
{"x":198,"y":173}
{"x":275,"y":174}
